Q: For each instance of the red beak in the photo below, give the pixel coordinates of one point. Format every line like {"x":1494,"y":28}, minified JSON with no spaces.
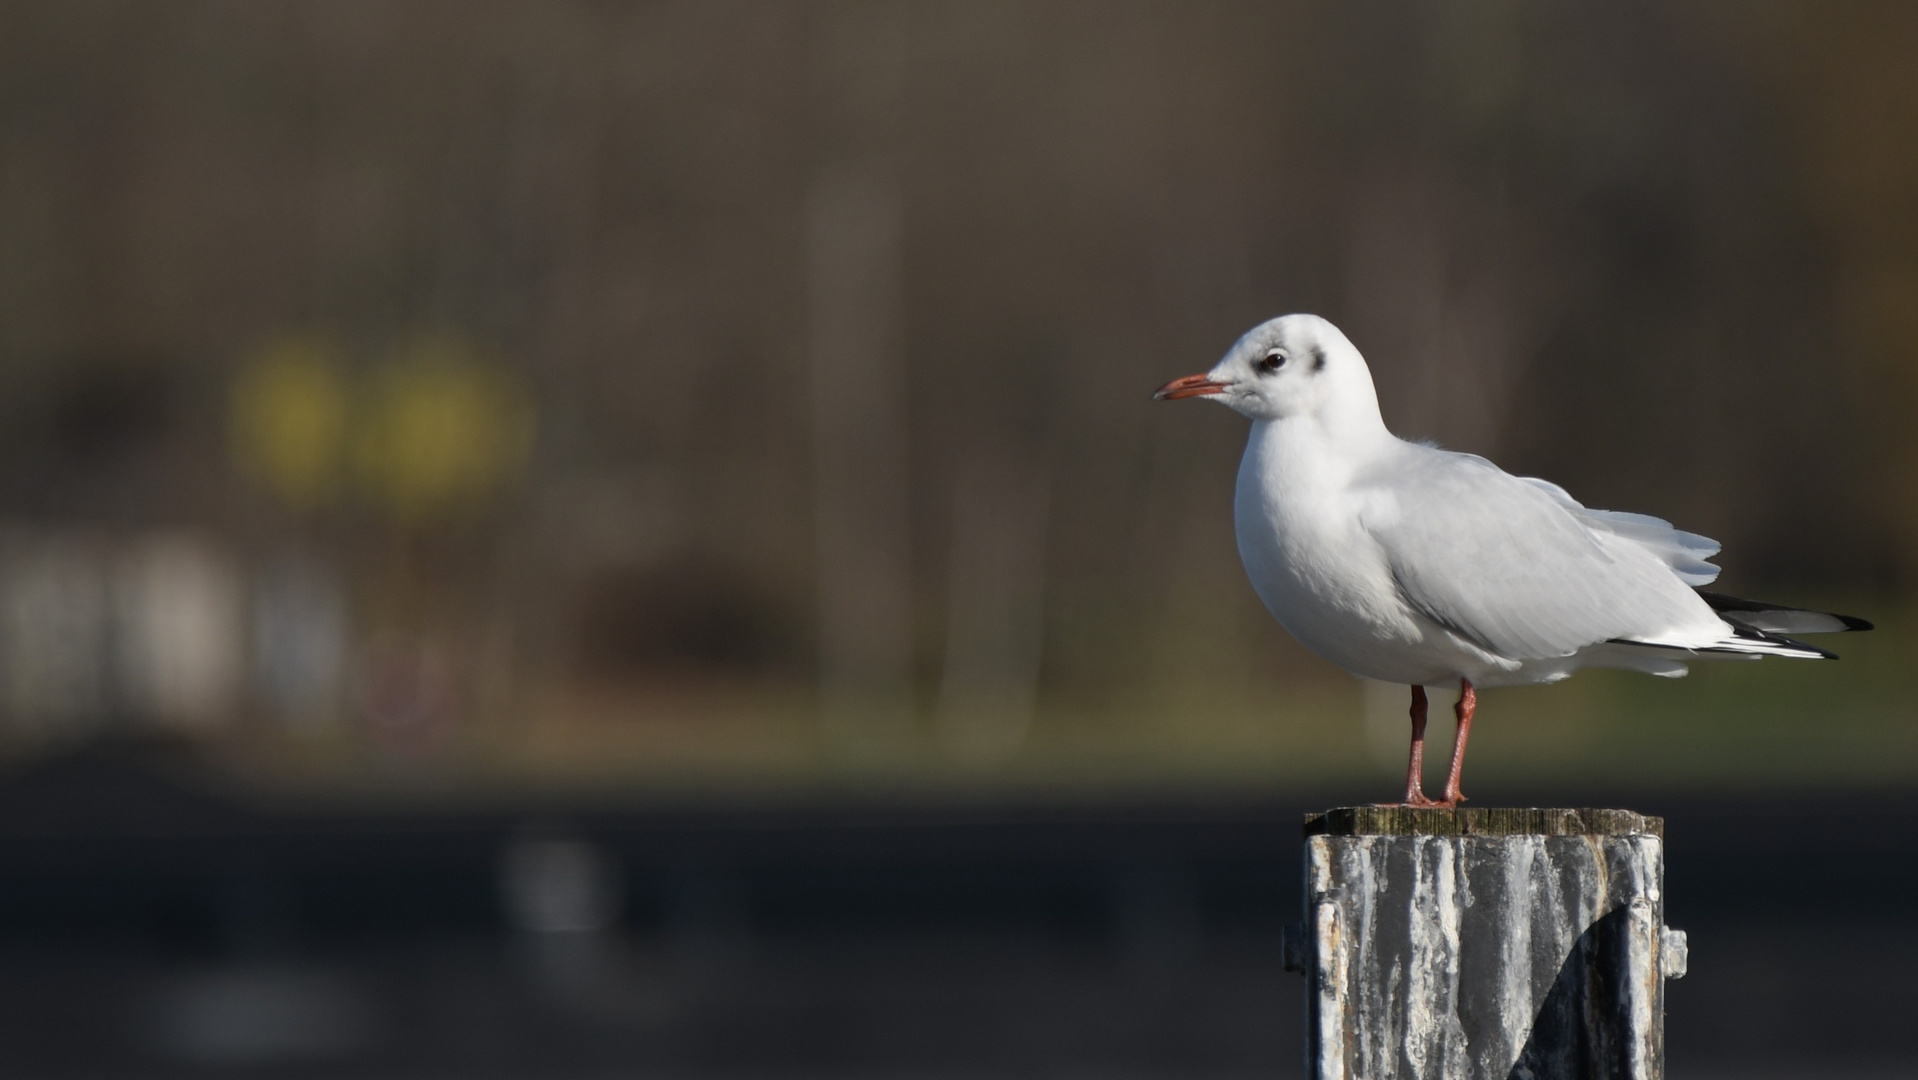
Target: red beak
{"x":1190,"y":386}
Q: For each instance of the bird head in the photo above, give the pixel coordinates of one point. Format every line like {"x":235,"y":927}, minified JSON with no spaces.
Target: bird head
{"x":1294,"y":365}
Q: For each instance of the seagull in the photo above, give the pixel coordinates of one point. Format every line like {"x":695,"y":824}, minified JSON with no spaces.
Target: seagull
{"x":1407,"y":563}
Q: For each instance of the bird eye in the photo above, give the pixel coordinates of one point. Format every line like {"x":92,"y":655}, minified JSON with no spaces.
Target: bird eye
{"x":1272,"y":362}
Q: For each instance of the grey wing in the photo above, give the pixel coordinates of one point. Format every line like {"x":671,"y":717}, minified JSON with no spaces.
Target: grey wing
{"x":1518,"y":568}
{"x":1685,"y":552}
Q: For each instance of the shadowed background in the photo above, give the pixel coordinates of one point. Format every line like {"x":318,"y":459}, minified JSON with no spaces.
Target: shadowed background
{"x":569,"y":537}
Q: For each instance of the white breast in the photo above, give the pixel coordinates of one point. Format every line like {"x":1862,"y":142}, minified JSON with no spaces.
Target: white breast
{"x":1319,"y":572}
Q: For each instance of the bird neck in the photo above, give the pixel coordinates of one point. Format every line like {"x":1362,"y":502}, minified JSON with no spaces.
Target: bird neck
{"x":1316,"y":449}
{"x":1351,"y":416}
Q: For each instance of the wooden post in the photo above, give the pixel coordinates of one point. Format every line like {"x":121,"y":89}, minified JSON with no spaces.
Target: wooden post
{"x":1484,"y":944}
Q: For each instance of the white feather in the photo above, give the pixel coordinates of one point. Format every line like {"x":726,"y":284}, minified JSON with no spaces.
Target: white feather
{"x":1407,"y":563}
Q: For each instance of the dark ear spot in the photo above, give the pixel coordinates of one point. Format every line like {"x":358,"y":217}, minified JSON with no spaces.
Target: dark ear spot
{"x":1318,"y":358}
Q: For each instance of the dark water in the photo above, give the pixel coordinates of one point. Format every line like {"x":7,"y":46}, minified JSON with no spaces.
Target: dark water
{"x":149,"y":928}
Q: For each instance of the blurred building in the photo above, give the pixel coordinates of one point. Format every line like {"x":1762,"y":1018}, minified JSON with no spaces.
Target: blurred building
{"x":579,"y":538}
{"x":560,"y":391}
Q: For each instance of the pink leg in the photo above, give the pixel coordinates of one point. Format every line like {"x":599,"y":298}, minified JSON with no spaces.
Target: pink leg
{"x":1415,"y":764}
{"x":1467,"y":704}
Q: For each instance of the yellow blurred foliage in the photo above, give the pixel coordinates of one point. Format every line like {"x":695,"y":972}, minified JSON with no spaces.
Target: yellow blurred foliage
{"x":432,"y":430}
{"x":440,"y":430}
{"x":288,"y":422}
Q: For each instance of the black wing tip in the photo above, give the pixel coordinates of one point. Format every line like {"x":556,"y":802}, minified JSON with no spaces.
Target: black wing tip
{"x":1808,"y":652}
{"x":1805,"y":652}
{"x":1772,"y":638}
{"x":1823,"y":654}
{"x":1723,"y":602}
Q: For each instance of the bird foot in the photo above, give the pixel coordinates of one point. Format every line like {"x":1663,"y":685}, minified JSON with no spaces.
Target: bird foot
{"x":1418,"y":802}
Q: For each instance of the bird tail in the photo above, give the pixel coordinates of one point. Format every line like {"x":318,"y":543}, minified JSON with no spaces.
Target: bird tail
{"x":1760,"y":628}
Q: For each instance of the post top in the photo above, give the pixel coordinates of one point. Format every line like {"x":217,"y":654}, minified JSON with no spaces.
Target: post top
{"x":1480,"y":821}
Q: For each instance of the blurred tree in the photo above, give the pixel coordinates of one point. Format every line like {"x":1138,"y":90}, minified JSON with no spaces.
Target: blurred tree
{"x":441,"y":431}
{"x":289,"y":419}
{"x":1844,"y":75}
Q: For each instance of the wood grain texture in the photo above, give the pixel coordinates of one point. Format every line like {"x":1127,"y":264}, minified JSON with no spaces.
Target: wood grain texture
{"x":1480,"y":821}
{"x":1509,"y":944}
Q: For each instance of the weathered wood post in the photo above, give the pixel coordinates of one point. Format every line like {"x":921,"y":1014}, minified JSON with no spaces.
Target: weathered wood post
{"x":1484,"y":944}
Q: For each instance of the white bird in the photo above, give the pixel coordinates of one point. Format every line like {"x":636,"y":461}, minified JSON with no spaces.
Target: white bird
{"x":1406,"y":563}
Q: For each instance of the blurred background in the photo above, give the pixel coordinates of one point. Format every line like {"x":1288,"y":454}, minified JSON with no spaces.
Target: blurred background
{"x":598,"y":539}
